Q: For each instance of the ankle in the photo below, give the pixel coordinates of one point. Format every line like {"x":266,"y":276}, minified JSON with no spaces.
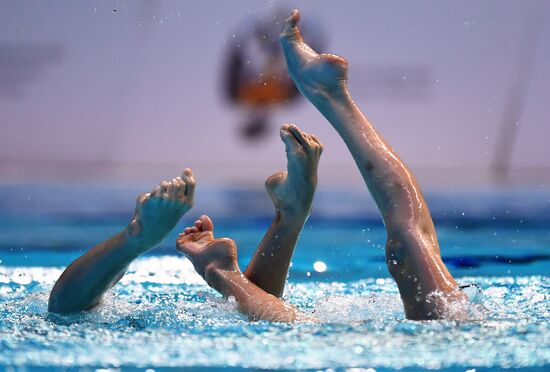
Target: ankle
{"x":325,"y":95}
{"x":221,"y":279}
{"x":134,"y":236}
{"x":295,"y":217}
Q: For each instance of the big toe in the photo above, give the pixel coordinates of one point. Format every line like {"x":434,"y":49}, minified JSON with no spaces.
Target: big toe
{"x":290,"y":30}
{"x":206,"y":223}
{"x":293,"y":19}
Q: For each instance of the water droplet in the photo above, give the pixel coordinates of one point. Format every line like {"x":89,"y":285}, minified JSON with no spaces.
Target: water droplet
{"x":320,"y":266}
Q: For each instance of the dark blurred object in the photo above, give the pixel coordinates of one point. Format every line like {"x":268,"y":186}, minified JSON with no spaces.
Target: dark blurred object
{"x":256,"y":77}
{"x":256,"y":126}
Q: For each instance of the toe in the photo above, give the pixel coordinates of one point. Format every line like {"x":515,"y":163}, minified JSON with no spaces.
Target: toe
{"x":309,"y":141}
{"x":300,"y":136}
{"x":290,"y":141}
{"x":164,"y":188}
{"x":290,"y":30}
{"x":156,"y":192}
{"x":314,"y":144}
{"x":315,"y":139}
{"x":198,"y":224}
{"x":206,"y":223}
{"x":294,"y":18}
{"x":188,"y":178}
{"x":173,"y":189}
{"x":318,"y":144}
{"x":181,"y":188}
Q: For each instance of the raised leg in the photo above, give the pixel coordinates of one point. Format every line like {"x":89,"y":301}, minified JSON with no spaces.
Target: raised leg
{"x":84,"y":281}
{"x":292,"y":194}
{"x":412,"y":252}
{"x":216,"y":261}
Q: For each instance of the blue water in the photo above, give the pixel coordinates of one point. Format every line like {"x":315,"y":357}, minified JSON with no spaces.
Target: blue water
{"x":163,"y":315}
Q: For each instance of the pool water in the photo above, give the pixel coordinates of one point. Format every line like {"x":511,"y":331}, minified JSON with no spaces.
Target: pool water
{"x":163,"y":315}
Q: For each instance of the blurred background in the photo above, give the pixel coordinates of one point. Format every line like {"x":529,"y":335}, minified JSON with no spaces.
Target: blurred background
{"x":113,"y":96}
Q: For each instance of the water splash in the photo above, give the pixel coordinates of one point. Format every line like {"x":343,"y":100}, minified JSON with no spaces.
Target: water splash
{"x":164,"y":315}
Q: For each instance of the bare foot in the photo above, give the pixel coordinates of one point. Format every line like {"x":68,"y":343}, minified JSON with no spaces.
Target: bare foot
{"x":158,"y":212}
{"x":216,"y":261}
{"x":206,"y":253}
{"x":316,"y":75}
{"x":292,"y":190}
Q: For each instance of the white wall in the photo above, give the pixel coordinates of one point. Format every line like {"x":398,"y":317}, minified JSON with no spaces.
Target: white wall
{"x":135,"y":94}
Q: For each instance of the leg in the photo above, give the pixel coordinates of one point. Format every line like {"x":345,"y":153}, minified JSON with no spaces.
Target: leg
{"x":412,"y":250}
{"x":216,"y":261}
{"x":292,"y":193}
{"x":84,"y":282}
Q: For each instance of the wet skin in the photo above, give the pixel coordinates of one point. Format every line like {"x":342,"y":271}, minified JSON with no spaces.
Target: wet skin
{"x":292,"y":193}
{"x":427,"y":288}
{"x":84,"y":282}
{"x":412,"y":249}
{"x":216,"y":261}
{"x":258,"y":288}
